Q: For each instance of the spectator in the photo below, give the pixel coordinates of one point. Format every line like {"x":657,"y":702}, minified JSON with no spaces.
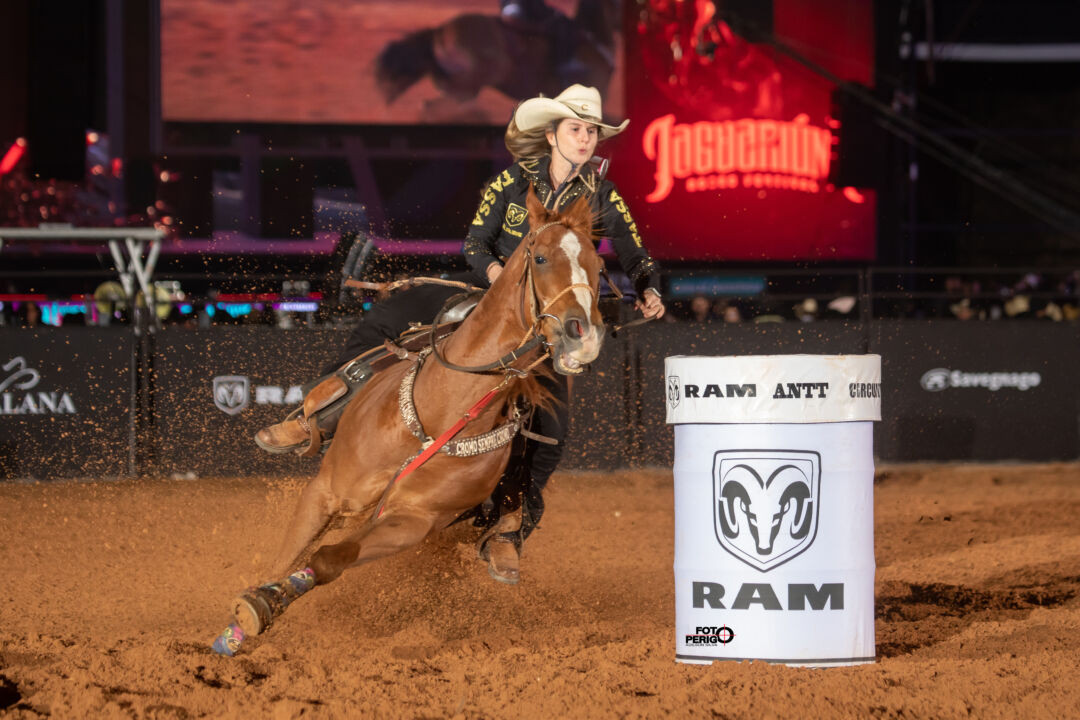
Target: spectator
{"x":699,"y":309}
{"x":727,"y":311}
{"x":1019,"y":306}
{"x":807,"y":310}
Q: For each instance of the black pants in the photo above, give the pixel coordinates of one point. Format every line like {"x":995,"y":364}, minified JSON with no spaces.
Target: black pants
{"x":391,"y":317}
{"x":531,"y":463}
{"x":530,"y":467}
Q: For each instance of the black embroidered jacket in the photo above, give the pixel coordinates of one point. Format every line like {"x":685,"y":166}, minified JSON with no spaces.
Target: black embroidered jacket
{"x":502,"y":220}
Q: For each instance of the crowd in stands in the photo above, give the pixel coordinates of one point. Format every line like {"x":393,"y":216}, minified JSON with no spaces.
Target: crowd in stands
{"x":1029,"y":295}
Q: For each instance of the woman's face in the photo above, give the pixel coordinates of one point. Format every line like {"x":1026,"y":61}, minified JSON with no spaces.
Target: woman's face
{"x":576,"y":140}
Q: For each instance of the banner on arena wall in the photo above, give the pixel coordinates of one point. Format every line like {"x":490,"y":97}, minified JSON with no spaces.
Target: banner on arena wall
{"x":215,"y":389}
{"x":774,"y":508}
{"x":65,"y":398}
{"x":958,"y":390}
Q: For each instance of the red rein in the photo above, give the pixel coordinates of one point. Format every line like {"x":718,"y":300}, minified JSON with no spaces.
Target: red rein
{"x":442,"y":440}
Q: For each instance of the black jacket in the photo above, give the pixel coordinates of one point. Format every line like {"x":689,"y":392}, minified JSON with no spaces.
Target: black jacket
{"x":502,"y":220}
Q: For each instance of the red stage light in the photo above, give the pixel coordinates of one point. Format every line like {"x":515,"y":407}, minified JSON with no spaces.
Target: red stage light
{"x":12,"y":156}
{"x":854,"y":195}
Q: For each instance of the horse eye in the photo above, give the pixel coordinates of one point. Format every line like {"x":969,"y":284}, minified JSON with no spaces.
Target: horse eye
{"x":540,"y":259}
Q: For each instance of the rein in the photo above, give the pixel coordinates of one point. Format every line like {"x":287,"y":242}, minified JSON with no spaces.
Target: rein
{"x":431,"y":448}
{"x":410,"y":282}
{"x":533,"y":336}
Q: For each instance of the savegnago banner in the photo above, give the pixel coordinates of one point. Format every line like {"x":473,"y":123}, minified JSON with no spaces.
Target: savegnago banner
{"x":21,"y":392}
{"x":774,"y":507}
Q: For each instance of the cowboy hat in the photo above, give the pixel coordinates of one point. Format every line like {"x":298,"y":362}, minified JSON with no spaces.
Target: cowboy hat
{"x":577,"y":101}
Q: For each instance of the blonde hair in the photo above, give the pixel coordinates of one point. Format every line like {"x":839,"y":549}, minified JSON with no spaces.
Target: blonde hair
{"x":529,"y":144}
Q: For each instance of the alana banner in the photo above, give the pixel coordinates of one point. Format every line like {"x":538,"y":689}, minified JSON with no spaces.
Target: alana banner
{"x":732,"y":141}
{"x":65,"y":403}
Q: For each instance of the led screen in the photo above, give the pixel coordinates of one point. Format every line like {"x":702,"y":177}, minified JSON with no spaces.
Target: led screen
{"x":729,"y":152}
{"x":381,"y":61}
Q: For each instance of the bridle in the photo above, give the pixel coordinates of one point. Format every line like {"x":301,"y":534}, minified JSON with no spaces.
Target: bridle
{"x":534,"y":336}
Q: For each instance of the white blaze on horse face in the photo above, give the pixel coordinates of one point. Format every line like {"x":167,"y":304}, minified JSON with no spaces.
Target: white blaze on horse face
{"x":587,"y":347}
{"x":571,"y":245}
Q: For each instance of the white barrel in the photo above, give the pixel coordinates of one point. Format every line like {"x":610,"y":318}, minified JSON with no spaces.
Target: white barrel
{"x":774,"y":507}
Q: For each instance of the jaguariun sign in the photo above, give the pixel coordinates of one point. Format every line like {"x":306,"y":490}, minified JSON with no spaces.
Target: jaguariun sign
{"x":774,"y":507}
{"x":764,"y":153}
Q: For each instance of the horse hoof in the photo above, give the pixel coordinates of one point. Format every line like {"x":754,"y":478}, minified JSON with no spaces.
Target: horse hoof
{"x":504,"y":578}
{"x":228,"y":642}
{"x":252,"y":611}
{"x":503,"y":560}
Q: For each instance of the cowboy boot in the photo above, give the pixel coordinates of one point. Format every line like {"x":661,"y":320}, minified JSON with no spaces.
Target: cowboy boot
{"x":300,"y":430}
{"x":500,"y":547}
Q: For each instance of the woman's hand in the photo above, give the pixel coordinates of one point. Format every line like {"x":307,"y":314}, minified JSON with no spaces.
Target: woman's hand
{"x":493,"y":271}
{"x":650,"y":304}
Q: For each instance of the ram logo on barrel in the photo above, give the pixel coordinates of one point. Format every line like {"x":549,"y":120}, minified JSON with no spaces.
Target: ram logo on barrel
{"x":765,"y":504}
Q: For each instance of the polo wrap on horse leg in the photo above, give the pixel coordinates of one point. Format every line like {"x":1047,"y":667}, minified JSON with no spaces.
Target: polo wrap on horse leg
{"x":257,"y":607}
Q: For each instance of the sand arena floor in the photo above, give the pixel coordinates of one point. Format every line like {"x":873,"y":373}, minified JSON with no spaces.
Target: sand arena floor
{"x":113,"y":591}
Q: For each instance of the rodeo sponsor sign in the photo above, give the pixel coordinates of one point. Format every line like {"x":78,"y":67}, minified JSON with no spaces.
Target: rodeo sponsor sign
{"x":232,"y":394}
{"x":940,"y":379}
{"x":65,"y":402}
{"x":21,"y":393}
{"x":774,"y":507}
{"x":818,"y":388}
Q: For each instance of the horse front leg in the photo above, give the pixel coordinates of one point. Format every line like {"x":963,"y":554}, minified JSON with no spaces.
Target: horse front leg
{"x":391,"y":533}
{"x":255,"y":608}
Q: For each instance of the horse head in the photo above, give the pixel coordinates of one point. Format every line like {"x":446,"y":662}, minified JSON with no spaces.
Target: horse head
{"x":563,"y":270}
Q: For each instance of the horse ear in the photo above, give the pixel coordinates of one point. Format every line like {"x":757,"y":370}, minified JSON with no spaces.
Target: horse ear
{"x":580,"y":213}
{"x":538,"y":214}
{"x":580,"y":216}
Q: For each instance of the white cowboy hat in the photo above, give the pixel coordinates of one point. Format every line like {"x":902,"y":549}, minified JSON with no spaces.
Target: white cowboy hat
{"x":576,"y":101}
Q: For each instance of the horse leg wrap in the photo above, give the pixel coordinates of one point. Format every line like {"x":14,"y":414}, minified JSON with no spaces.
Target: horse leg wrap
{"x":228,"y":642}
{"x":257,"y":607}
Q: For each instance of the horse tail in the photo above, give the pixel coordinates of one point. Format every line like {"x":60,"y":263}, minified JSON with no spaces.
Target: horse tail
{"x":402,"y":63}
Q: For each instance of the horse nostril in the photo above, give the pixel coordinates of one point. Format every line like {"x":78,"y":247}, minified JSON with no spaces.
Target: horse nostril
{"x":574,"y":329}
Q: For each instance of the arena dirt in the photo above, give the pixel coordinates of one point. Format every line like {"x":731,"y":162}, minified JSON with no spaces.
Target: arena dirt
{"x":113,"y":591}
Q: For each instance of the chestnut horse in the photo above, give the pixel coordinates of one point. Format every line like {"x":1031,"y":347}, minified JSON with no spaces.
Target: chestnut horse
{"x":548,"y":289}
